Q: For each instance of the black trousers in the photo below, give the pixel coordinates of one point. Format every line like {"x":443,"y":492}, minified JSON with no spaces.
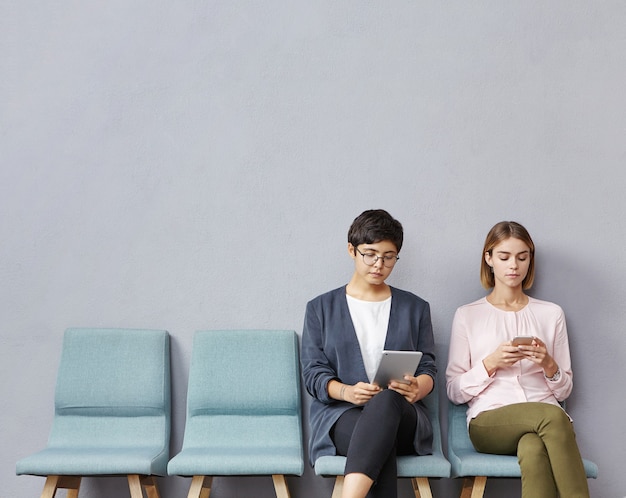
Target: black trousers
{"x":371,"y":436}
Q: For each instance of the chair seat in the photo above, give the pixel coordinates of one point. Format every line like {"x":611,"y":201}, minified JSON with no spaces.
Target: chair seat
{"x":94,"y":461}
{"x":408,"y":466}
{"x":472,"y":463}
{"x":236,"y":461}
{"x":467,"y":462}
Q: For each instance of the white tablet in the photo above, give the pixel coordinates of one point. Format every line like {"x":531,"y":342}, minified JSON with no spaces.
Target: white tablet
{"x":394,"y":365}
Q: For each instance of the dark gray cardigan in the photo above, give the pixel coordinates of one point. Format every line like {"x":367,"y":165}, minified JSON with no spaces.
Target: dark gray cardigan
{"x":330,"y":350}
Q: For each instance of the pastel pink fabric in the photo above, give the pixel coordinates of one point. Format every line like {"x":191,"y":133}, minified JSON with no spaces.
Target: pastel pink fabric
{"x":478,"y":329}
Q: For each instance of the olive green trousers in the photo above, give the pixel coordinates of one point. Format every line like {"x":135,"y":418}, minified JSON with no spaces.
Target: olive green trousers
{"x":543,"y":438}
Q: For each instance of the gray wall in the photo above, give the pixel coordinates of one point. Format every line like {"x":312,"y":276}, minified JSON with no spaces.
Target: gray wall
{"x":187,"y":165}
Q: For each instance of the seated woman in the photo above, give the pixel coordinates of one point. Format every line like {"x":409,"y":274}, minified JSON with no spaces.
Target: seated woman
{"x":345,"y":332}
{"x":512,"y":389}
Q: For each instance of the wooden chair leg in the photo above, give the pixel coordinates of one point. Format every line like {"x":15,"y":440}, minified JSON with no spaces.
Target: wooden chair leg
{"x":338,"y":488}
{"x":50,"y":487}
{"x":474,"y":487}
{"x":150,"y":486}
{"x":134,"y":483}
{"x":200,"y":487}
{"x":70,"y":483}
{"x":421,"y":487}
{"x":280,"y":486}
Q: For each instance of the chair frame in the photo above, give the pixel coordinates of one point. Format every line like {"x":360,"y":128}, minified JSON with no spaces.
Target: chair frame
{"x":137,"y":483}
{"x":201,"y":484}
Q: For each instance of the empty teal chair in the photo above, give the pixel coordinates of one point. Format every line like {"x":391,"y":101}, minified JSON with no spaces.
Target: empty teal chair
{"x":112,"y":411}
{"x":418,"y":468}
{"x":476,"y":467}
{"x":243,"y":409}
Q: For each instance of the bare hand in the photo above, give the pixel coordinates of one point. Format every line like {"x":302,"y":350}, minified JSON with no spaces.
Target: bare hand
{"x":410,"y":391}
{"x":360,"y":393}
{"x":538,"y":354}
{"x":505,"y":356}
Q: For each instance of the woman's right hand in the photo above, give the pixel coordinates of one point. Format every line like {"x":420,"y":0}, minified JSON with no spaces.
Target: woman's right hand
{"x":360,"y":393}
{"x":503,"y":357}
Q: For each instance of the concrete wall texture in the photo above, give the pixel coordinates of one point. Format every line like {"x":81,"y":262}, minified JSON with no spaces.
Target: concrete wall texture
{"x":194,"y":165}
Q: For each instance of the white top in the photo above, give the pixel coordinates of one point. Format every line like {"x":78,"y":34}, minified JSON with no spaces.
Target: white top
{"x":370,"y":320}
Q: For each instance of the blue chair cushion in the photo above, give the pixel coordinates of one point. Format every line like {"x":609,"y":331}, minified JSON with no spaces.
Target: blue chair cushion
{"x":237,"y":461}
{"x":408,"y":466}
{"x":240,"y":445}
{"x":94,"y":461}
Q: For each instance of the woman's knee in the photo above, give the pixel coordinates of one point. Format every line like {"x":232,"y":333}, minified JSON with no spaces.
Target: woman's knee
{"x":530,"y":445}
{"x":386,"y":399}
{"x":555,"y":416}
{"x":555,"y":423}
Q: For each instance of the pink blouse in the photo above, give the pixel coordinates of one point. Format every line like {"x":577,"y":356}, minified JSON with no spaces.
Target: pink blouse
{"x":477,"y":331}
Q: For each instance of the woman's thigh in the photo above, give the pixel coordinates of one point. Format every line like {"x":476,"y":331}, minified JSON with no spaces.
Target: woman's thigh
{"x":498,"y":431}
{"x":387,"y":415}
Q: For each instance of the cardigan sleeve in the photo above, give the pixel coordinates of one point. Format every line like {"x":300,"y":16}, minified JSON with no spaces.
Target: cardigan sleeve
{"x":316,"y":369}
{"x":426,"y":344}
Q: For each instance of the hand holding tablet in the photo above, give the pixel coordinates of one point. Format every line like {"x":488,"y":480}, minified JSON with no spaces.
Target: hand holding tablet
{"x":394,"y":365}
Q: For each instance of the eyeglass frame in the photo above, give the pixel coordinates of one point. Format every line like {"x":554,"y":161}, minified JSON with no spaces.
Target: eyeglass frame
{"x":376,"y":257}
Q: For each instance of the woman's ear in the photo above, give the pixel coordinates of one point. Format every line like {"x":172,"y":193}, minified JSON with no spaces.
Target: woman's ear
{"x":488,"y":259}
{"x":351,"y":250}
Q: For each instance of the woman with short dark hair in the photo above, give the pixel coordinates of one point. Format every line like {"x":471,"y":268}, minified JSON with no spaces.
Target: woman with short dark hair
{"x":345,"y":332}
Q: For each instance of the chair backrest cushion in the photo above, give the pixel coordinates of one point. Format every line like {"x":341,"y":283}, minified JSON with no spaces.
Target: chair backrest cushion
{"x":432,"y":403}
{"x":458,"y":437}
{"x":244,"y":392}
{"x":241,"y":372}
{"x":113,"y":372}
{"x":113,"y":388}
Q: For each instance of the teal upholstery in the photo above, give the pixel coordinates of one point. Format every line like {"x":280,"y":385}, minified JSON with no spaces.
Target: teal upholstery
{"x":427,"y":466}
{"x":112,"y":406}
{"x":467,"y":462}
{"x":243,"y":405}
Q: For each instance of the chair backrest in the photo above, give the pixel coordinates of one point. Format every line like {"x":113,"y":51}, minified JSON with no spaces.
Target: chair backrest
{"x":244,"y":389}
{"x":113,"y":389}
{"x":458,"y":437}
{"x":432,"y":403}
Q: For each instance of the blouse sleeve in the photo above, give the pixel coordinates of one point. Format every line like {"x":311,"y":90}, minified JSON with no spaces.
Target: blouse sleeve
{"x":562,"y":387}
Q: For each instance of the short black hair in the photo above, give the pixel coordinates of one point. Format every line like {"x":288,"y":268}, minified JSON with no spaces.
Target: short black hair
{"x":375,"y":225}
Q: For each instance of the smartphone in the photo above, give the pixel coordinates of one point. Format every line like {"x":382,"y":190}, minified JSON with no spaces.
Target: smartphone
{"x":522,"y":339}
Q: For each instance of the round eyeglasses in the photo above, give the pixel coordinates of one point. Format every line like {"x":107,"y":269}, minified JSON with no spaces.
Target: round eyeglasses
{"x":370,"y":259}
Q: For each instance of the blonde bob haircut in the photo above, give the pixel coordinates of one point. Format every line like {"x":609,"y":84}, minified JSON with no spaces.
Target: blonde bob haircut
{"x":499,"y":233}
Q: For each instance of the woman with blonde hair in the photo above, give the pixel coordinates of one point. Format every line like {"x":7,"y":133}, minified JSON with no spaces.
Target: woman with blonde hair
{"x":510,"y":362}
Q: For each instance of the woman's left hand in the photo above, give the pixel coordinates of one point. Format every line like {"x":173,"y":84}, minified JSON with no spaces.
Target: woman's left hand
{"x":410,"y":391}
{"x":538,"y":354}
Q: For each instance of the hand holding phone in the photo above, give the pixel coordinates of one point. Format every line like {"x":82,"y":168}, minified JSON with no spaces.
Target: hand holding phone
{"x":525,"y":340}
